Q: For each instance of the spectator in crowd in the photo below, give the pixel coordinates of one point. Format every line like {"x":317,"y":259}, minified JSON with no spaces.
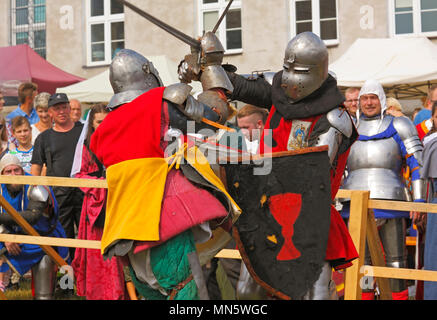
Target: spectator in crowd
{"x":2,"y":101}
{"x":23,"y":134}
{"x":251,"y":120}
{"x":425,"y":113}
{"x":55,"y":148}
{"x":4,"y":142}
{"x":415,"y":112}
{"x":394,"y":107}
{"x":45,"y":122}
{"x":37,"y":205}
{"x":76,"y":110}
{"x":351,"y":102}
{"x":423,"y":119}
{"x":96,"y":279}
{"x":429,"y":172}
{"x":27,"y":92}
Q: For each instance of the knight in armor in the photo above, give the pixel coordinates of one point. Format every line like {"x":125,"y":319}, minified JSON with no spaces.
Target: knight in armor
{"x":386,"y":145}
{"x":305,"y":111}
{"x":38,"y":206}
{"x":155,"y":213}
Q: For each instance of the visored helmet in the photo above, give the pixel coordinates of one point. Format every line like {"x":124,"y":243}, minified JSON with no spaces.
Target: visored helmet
{"x":131,"y":74}
{"x":305,"y":66}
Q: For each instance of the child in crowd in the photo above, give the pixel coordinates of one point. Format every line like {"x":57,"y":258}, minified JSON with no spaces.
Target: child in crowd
{"x":22,"y":132}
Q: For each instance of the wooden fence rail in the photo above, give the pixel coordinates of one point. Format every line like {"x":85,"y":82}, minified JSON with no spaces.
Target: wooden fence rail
{"x":361,"y":227}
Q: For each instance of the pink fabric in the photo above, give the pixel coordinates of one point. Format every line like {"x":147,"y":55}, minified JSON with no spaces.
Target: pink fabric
{"x":184,"y":206}
{"x":96,"y":279}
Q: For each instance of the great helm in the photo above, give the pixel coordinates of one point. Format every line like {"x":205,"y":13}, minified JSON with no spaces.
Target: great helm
{"x":305,"y":66}
{"x":131,"y":74}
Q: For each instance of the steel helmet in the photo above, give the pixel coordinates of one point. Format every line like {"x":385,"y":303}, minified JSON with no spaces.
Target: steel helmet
{"x":131,"y":74}
{"x":305,"y":66}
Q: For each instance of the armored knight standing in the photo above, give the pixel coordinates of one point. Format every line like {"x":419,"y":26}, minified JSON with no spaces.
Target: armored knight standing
{"x":306,"y":111}
{"x":375,"y":163}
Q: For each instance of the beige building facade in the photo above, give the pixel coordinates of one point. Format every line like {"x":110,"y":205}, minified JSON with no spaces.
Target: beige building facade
{"x":81,"y":36}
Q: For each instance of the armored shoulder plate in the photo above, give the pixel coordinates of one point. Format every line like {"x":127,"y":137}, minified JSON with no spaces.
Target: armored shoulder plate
{"x":408,"y":134}
{"x":341,"y":121}
{"x":177,"y":93}
{"x":38,"y":193}
{"x":404,"y":127}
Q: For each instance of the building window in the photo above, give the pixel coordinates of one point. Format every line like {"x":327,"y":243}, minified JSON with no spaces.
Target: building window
{"x":230,"y":30}
{"x":413,"y":17}
{"x":28,"y":24}
{"x":318,"y":16}
{"x":105,"y":30}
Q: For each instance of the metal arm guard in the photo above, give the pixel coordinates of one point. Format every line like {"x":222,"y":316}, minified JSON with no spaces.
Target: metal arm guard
{"x":341,"y":125}
{"x":179,"y":97}
{"x":39,"y":200}
{"x":408,"y":134}
{"x":205,"y":64}
{"x":182,"y":107}
{"x":31,"y":214}
{"x":414,"y":147}
{"x":213,"y":75}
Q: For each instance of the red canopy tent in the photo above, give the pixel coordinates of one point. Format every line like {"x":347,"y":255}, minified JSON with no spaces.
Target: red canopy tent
{"x":20,"y":63}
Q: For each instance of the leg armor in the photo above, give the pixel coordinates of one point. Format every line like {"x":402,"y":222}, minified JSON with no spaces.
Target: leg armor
{"x":44,"y":278}
{"x":247,"y":288}
{"x":392,"y":233}
{"x":324,"y":288}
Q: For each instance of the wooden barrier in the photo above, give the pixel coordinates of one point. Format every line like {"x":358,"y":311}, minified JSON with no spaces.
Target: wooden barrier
{"x":362,"y":228}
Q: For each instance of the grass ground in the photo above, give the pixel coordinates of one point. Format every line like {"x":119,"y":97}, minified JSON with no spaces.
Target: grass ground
{"x":24,"y":292}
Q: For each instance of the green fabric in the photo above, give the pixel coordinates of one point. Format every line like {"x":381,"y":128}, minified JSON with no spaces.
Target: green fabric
{"x":226,"y":288}
{"x":170,"y":266}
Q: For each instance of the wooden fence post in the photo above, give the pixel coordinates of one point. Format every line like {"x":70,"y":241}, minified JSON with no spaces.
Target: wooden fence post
{"x":376,"y":255}
{"x":357,"y":230}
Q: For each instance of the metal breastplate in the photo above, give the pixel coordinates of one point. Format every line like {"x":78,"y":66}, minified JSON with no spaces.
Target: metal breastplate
{"x":375,"y":165}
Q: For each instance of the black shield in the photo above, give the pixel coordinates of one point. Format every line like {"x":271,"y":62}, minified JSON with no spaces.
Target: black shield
{"x":283,"y":230}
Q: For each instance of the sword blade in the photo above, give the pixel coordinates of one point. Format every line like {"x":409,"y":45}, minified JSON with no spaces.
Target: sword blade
{"x":222,"y":17}
{"x":178,"y":34}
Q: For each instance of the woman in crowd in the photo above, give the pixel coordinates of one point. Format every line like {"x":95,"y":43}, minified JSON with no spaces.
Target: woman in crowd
{"x":429,"y":172}
{"x":45,"y":122}
{"x":96,"y":279}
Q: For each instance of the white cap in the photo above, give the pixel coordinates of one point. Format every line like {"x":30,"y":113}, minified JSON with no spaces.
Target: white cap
{"x":7,"y":160}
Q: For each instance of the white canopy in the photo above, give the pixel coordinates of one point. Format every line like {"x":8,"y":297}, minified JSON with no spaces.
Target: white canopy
{"x":404,"y":66}
{"x":98,"y":88}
